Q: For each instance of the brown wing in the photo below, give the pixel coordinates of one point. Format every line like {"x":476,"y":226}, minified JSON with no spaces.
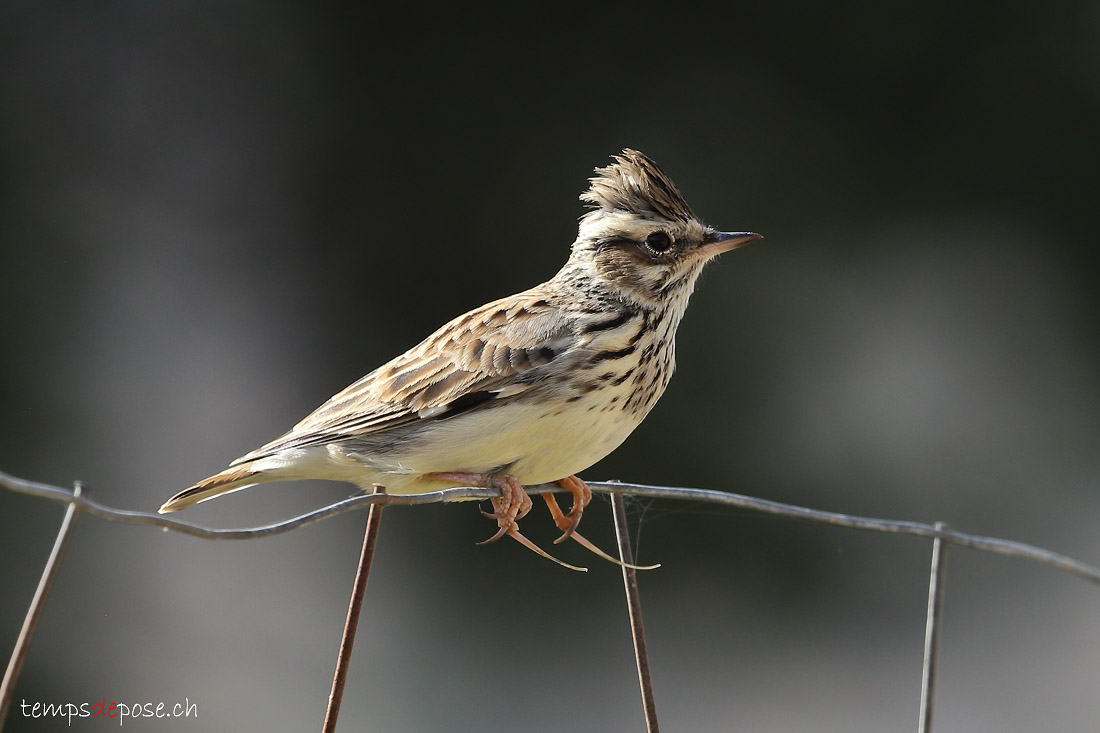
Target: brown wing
{"x":490,"y":353}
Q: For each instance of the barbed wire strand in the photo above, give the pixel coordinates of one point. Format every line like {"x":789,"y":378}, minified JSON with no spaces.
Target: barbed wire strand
{"x":723,"y":498}
{"x":38,"y":604}
{"x":634,"y":612}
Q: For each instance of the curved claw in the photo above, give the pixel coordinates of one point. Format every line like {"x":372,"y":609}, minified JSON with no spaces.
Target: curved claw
{"x":538,"y":550}
{"x":576,"y":520}
{"x":589,"y":546}
{"x":500,"y":533}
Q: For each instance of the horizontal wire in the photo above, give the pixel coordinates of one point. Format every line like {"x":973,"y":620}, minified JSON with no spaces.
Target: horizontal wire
{"x":724,"y":498}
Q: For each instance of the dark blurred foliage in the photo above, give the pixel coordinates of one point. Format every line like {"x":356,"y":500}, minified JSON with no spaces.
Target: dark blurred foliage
{"x":214,"y":216}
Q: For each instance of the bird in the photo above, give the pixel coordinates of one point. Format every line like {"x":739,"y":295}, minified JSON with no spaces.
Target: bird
{"x":529,"y":389}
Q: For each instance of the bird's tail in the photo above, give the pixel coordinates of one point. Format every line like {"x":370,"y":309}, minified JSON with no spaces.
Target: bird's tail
{"x":231,"y":479}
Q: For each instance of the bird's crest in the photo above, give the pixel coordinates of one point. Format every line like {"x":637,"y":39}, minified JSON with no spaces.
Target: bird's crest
{"x":634,"y":183}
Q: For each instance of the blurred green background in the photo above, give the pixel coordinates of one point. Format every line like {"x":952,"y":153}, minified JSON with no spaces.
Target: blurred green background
{"x":214,"y":216}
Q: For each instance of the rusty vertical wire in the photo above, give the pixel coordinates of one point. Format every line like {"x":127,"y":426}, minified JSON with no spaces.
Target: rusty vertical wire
{"x":38,"y":605}
{"x":355,"y":607}
{"x":634,"y":607}
{"x":936,"y":579}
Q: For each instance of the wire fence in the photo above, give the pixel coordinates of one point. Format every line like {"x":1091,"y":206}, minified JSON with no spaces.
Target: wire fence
{"x":78,"y":502}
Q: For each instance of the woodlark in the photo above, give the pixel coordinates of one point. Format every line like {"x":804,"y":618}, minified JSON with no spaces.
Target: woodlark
{"x":529,"y":389}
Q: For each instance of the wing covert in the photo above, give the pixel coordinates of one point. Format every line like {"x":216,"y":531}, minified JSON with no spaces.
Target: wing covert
{"x":492,"y":352}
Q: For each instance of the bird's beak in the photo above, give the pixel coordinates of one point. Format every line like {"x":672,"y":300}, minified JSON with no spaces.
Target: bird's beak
{"x":718,"y":242}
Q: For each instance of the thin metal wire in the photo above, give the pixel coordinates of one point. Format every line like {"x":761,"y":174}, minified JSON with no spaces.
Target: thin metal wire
{"x":355,"y":607}
{"x":916,"y":529}
{"x":634,"y":609}
{"x":936,"y":578}
{"x":38,"y":604}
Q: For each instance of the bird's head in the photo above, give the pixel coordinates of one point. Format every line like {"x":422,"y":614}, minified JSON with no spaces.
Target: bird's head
{"x":641,"y":238}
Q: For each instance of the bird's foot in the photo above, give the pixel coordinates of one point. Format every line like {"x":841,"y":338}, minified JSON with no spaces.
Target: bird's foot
{"x":512,"y":505}
{"x":582,"y":495}
{"x":568,"y":522}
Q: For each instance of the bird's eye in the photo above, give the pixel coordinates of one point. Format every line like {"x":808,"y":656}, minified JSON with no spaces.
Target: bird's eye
{"x":658,"y":242}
